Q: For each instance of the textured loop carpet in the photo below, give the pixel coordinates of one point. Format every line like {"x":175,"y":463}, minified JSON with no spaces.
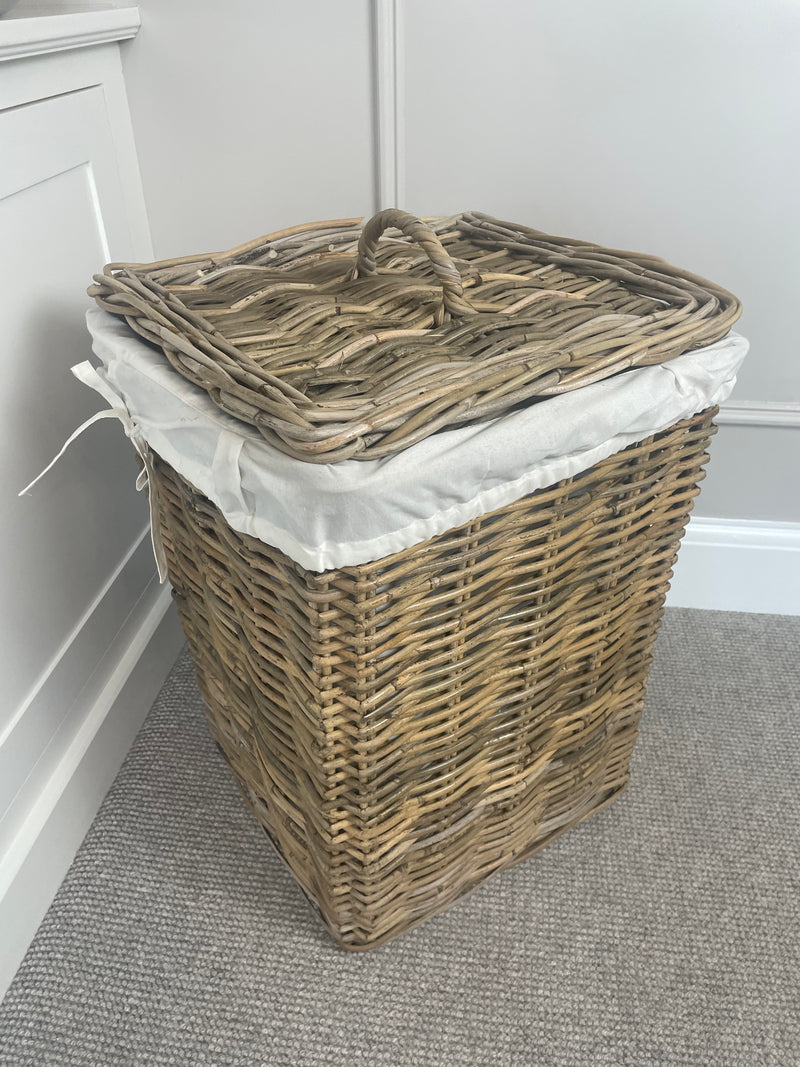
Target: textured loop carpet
{"x":662,"y":931}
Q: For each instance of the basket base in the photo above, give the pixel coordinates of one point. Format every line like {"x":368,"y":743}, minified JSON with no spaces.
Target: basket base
{"x":445,"y":905}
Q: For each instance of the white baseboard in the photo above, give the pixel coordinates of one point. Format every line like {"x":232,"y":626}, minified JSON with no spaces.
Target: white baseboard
{"x":738,"y":565}
{"x":114,"y":704}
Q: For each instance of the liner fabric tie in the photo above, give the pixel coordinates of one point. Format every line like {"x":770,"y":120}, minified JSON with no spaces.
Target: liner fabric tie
{"x":90,"y":376}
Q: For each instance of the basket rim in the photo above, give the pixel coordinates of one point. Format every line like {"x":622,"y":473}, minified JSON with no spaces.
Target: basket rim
{"x":349,"y":364}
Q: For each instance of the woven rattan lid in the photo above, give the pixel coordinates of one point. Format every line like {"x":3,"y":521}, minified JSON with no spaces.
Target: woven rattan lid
{"x":339,"y":342}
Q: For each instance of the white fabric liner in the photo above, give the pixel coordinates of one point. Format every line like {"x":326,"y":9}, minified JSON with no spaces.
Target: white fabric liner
{"x":335,"y":515}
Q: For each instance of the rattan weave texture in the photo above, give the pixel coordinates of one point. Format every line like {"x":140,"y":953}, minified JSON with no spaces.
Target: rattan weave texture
{"x":339,"y":343}
{"x":405,"y":728}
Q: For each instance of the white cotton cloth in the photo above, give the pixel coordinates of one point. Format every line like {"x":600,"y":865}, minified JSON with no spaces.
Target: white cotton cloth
{"x":336,"y":515}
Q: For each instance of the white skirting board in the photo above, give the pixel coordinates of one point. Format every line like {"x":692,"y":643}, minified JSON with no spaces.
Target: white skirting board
{"x":738,"y":565}
{"x":114,"y":703}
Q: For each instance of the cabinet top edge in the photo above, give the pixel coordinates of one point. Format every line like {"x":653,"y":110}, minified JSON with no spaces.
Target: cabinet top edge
{"x":35,"y":27}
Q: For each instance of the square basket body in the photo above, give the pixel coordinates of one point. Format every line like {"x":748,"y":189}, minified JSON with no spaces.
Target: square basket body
{"x":405,"y":728}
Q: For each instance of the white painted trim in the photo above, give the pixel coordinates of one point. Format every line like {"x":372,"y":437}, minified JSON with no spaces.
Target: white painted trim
{"x":738,"y":565}
{"x":759,"y":413}
{"x":34,"y":29}
{"x":119,"y":118}
{"x":45,"y":76}
{"x":52,"y":713}
{"x":50,"y":671}
{"x":388,"y":91}
{"x":40,"y":855}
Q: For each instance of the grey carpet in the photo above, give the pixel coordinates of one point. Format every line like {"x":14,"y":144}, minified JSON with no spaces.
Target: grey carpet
{"x":662,"y":931}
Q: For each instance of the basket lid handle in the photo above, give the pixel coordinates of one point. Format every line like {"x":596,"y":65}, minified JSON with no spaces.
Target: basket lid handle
{"x":445,"y":269}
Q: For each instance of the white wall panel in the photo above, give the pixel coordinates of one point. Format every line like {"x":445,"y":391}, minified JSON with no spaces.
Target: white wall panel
{"x":668,"y":127}
{"x":65,"y":537}
{"x":249,"y":117}
{"x":754,"y":473}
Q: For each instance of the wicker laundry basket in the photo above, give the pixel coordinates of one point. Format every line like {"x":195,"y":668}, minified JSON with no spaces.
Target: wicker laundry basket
{"x":405,"y":727}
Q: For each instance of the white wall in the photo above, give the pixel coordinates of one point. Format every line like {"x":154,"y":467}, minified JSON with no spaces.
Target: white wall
{"x":668,"y":127}
{"x":250,"y":116}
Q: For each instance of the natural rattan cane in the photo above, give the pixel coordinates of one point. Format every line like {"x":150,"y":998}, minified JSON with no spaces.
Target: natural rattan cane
{"x":336,"y":344}
{"x":405,"y":728}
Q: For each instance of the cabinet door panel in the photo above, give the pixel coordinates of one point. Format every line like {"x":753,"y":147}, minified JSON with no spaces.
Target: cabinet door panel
{"x":62,"y":216}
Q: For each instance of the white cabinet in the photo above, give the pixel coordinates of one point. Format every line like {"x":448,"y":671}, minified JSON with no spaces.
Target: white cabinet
{"x":77,"y":590}
{"x":61,"y":210}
